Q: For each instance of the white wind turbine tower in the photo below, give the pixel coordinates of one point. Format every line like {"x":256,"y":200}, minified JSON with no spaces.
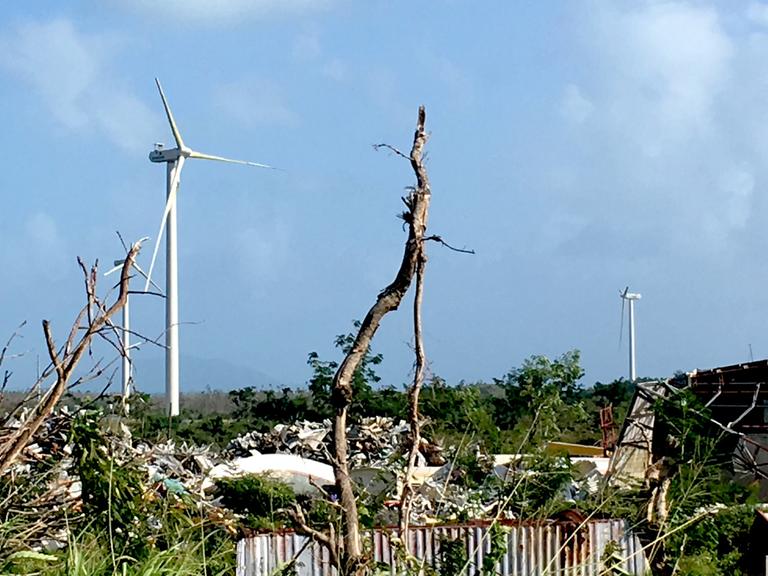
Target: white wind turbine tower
{"x":174,"y":160}
{"x":125,"y":334}
{"x":627,"y":296}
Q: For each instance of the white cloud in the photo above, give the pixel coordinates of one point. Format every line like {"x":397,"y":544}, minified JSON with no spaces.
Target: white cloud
{"x":670,"y":61}
{"x":682,"y":48}
{"x":255,"y":102}
{"x":207,"y":12}
{"x":574,"y":107}
{"x":67,"y":70}
{"x":673,"y":112}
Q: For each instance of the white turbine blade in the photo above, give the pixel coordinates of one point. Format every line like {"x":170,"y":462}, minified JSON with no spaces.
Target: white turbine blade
{"x":168,"y":205}
{"x":202,"y":156}
{"x":140,"y":271}
{"x":171,"y":121}
{"x":621,"y":323}
{"x":113,"y":270}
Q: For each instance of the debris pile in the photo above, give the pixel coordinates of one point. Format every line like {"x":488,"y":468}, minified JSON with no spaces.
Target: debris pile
{"x":180,"y":467}
{"x":300,"y":454}
{"x":303,"y":438}
{"x":373,"y":442}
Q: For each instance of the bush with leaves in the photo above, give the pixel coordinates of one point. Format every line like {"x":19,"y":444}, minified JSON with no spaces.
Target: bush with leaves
{"x":260,"y":499}
{"x":534,"y":486}
{"x":452,"y":557}
{"x":542,"y":398}
{"x":363,"y":380}
{"x":112,"y":491}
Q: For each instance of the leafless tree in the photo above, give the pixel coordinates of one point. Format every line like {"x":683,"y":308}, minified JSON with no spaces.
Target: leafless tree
{"x":93,"y":320}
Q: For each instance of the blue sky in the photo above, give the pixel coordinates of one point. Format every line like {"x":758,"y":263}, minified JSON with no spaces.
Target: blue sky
{"x":578,"y":147}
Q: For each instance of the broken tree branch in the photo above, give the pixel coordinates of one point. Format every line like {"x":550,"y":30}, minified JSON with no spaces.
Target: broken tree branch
{"x":391,"y":149}
{"x":439,"y":239}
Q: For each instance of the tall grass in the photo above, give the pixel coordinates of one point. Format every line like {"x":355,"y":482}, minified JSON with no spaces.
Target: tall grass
{"x":88,"y":554}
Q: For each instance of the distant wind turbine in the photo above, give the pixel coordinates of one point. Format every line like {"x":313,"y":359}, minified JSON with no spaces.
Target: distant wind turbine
{"x":126,"y":333}
{"x":174,"y":160}
{"x":627,"y":296}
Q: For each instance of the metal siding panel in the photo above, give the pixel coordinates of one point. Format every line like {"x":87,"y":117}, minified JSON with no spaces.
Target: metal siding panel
{"x":539,"y":531}
{"x":543,"y":549}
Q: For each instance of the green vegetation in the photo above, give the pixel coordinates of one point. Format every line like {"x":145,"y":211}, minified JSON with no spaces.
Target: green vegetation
{"x":121,"y":524}
{"x":261,"y":500}
{"x":89,"y":555}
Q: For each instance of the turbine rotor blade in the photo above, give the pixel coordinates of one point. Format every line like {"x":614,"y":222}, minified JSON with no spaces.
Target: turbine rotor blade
{"x":169,"y":114}
{"x":113,"y":270}
{"x":621,"y":324}
{"x":140,"y":271}
{"x":202,"y":156}
{"x":170,"y":203}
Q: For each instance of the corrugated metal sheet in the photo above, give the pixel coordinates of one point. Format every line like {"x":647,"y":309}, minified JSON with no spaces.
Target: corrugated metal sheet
{"x":533,"y":549}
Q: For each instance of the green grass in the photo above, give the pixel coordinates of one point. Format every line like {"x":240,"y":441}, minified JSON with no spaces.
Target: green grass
{"x":89,"y":554}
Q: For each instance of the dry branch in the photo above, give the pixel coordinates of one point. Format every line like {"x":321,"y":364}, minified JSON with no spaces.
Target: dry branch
{"x":413,"y":398}
{"x":328,"y":540}
{"x":64,"y":360}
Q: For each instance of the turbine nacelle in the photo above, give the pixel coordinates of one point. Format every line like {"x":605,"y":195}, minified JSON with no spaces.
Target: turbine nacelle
{"x":161,"y":155}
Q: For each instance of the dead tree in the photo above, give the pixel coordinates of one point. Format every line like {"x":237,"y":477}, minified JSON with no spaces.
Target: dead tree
{"x":415,"y":217}
{"x":93,"y":320}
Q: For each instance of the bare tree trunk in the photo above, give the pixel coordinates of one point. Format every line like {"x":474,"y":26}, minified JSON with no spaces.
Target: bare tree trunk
{"x":65,"y":360}
{"x":417,"y":203}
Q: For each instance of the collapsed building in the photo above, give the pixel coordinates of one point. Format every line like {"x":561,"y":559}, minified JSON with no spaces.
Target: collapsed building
{"x":735,"y":401}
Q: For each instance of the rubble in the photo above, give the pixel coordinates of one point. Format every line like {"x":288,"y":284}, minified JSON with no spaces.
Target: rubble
{"x":375,"y":441}
{"x":299,"y":454}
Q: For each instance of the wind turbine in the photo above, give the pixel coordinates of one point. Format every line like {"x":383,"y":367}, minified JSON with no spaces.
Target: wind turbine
{"x":127,"y":365}
{"x":627,"y":296}
{"x":174,"y":160}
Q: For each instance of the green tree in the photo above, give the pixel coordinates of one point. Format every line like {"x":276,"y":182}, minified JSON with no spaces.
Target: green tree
{"x":323,"y":371}
{"x":542,"y":396}
{"x":457,"y":411}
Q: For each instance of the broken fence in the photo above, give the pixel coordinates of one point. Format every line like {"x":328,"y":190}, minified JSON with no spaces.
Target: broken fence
{"x":532,"y":549}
